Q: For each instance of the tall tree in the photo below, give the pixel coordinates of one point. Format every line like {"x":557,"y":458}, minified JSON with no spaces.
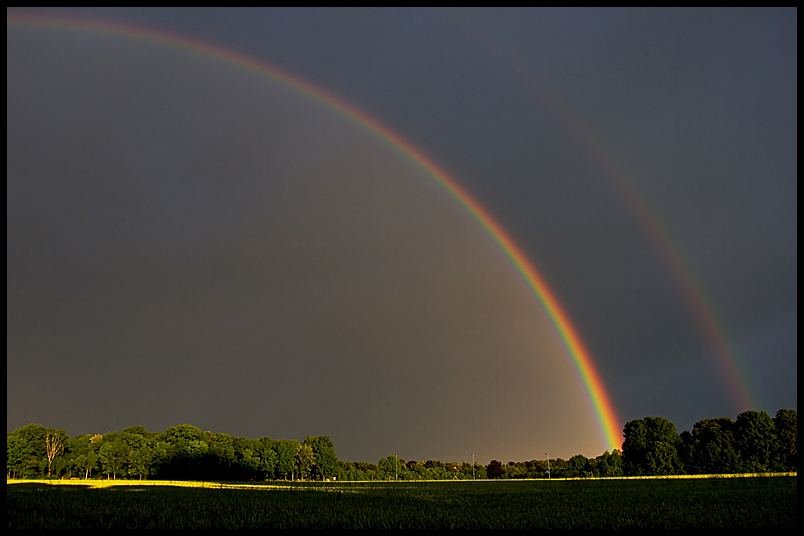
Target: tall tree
{"x":304,"y":460}
{"x":324,"y":453}
{"x":267,"y":454}
{"x":286,"y":458}
{"x":136,"y":443}
{"x":635,"y":447}
{"x":76,"y":454}
{"x":248,"y":461}
{"x":54,"y":446}
{"x":93,"y":456}
{"x":112,"y":455}
{"x":139,"y":464}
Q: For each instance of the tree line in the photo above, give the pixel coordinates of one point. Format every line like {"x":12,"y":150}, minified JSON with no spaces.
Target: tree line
{"x":182,"y":452}
{"x":754,"y":442}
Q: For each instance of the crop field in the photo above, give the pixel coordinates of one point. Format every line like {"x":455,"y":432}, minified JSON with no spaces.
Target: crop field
{"x":608,"y":503}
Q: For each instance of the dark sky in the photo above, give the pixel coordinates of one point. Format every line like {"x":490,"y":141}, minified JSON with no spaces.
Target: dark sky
{"x":190,"y":242}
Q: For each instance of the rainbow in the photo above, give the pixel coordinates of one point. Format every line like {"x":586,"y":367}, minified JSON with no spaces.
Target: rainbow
{"x":688,"y":285}
{"x":577,"y":351}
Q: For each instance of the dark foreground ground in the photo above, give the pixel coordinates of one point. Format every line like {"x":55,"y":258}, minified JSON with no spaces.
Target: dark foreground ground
{"x":710,"y":503}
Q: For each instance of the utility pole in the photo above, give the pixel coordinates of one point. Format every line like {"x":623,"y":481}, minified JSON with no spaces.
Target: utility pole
{"x":548,"y":465}
{"x":396,"y":465}
{"x":473,"y":466}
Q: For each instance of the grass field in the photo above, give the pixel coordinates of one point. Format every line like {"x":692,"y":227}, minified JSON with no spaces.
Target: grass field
{"x":657,"y":503}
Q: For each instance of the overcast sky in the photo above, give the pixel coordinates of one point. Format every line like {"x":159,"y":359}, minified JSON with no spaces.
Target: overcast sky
{"x":191,"y":242}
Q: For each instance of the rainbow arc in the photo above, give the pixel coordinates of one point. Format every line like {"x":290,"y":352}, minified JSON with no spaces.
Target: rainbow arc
{"x":572,"y":341}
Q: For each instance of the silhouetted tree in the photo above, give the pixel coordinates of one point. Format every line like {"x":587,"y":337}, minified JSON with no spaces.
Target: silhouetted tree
{"x":609,"y":464}
{"x":576,"y":466}
{"x":785,"y":446}
{"x":753,"y":433}
{"x":494,"y":469}
{"x":713,"y":448}
{"x":650,"y":447}
{"x":248,"y":462}
{"x":221,"y":455}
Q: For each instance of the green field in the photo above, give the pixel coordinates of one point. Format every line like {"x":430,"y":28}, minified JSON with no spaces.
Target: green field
{"x":662,"y":503}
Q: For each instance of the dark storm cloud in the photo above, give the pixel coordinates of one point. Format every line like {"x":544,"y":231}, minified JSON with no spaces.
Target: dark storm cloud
{"x":116,"y":212}
{"x":209,"y":259}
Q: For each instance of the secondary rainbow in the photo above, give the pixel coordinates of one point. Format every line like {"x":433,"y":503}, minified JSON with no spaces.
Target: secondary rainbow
{"x":576,"y":349}
{"x":691,"y":291}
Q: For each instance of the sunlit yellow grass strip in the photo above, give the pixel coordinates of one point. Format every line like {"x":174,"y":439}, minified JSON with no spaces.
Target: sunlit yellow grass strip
{"x":663,"y":477}
{"x":97,"y":483}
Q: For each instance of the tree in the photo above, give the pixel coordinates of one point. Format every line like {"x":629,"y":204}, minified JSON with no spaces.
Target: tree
{"x":609,"y":464}
{"x":754,"y":437}
{"x":160,"y":456}
{"x":494,"y":469}
{"x":140,"y":459}
{"x":25,"y":452}
{"x":222,"y":446}
{"x":180,"y":437}
{"x":187,"y":455}
{"x":785,"y":445}
{"x":76,"y":453}
{"x":305,"y":459}
{"x":685,"y":447}
{"x":268,"y":457}
{"x":713,"y":448}
{"x":136,"y":443}
{"x":112,"y":455}
{"x":248,"y":462}
{"x":576,"y":466}
{"x":93,"y":456}
{"x":324,"y":453}
{"x":635,"y":447}
{"x":650,"y":447}
{"x":220,"y":461}
{"x":388,"y":467}
{"x":136,"y":430}
{"x":286,"y":458}
{"x":54,"y":446}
